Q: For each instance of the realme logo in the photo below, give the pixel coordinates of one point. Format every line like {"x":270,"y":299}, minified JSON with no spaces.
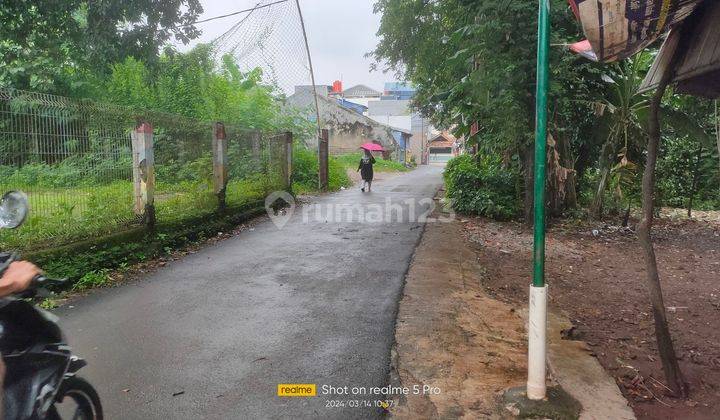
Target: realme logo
{"x":297,"y":390}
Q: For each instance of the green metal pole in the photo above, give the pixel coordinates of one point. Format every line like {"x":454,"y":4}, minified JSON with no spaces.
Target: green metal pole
{"x":543,"y":70}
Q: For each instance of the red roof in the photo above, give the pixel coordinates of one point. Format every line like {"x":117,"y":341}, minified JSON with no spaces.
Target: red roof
{"x":443,"y":139}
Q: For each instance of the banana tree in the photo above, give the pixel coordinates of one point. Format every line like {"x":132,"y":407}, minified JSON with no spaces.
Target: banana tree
{"x":620,"y":125}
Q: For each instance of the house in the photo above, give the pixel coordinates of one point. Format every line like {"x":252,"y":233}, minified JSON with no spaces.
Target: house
{"x":395,"y":113}
{"x":402,"y":138}
{"x":347,"y":127}
{"x":422,"y":131}
{"x":442,"y":148}
{"x":398,"y":113}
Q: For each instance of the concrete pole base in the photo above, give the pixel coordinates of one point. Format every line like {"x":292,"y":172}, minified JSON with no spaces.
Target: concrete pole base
{"x":557,"y":405}
{"x":537,"y":343}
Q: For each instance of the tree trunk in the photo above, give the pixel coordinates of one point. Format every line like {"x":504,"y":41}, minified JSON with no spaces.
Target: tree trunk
{"x":568,"y":162}
{"x":717,"y":127}
{"x":695,"y":180}
{"x":528,"y":161}
{"x":626,"y":217}
{"x":596,"y":209}
{"x":674,"y":376}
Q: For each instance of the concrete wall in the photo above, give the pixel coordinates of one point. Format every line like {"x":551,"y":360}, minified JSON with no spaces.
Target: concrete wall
{"x":398,"y":121}
{"x":422,"y":133}
{"x":389,"y":107}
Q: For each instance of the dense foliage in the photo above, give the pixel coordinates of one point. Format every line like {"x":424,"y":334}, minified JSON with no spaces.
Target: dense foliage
{"x":475,"y":62}
{"x":192,"y":85}
{"x":482,"y":187}
{"x":112,"y":52}
{"x":305,"y":171}
{"x":63,"y":46}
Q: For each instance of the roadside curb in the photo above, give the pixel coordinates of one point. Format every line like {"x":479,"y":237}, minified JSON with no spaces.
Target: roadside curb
{"x":582,"y":376}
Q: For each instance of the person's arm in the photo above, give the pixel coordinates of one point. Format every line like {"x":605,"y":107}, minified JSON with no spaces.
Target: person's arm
{"x":372,"y":159}
{"x":17,"y":277}
{"x":360,"y":165}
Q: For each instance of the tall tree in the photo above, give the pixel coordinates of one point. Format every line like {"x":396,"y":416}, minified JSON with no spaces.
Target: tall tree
{"x":666,"y":349}
{"x":475,"y":61}
{"x":55,"y":46}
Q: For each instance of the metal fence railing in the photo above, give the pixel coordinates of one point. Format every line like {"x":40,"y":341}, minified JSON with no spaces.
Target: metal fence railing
{"x":183,"y":167}
{"x":85,"y":177}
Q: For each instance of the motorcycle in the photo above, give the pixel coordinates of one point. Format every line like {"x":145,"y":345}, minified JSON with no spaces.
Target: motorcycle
{"x":40,"y":377}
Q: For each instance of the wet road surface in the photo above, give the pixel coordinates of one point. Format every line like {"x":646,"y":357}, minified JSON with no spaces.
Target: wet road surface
{"x":212,"y":335}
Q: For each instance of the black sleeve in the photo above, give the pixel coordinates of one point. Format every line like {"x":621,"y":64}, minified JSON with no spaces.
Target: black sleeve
{"x":360,"y":165}
{"x":372,"y":159}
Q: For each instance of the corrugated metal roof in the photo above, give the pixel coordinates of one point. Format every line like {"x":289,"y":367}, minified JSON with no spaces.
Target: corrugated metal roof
{"x":402,"y":130}
{"x":361,"y":91}
{"x":352,"y":105}
{"x":699,"y":72}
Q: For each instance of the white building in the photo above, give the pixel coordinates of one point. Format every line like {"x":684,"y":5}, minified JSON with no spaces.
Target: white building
{"x":395,"y":113}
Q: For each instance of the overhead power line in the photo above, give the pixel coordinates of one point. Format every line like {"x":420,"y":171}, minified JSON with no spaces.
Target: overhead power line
{"x":232,"y":14}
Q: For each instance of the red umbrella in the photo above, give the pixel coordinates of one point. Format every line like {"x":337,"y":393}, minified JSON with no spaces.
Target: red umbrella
{"x":372,"y":147}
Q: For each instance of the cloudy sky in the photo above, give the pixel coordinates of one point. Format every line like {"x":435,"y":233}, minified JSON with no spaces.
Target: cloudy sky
{"x":340,"y":32}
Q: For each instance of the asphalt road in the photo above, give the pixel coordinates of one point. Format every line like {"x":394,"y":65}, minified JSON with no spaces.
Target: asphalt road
{"x":212,"y":335}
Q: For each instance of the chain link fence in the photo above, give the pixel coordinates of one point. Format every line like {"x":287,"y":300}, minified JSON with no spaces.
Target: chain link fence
{"x":255,"y":165}
{"x":74,"y":160}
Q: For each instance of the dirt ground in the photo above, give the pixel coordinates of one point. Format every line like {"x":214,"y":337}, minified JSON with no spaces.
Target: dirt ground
{"x":451,"y":336}
{"x":596,"y":275}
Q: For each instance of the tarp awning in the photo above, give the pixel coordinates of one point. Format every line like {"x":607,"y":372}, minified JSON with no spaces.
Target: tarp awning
{"x":617,"y":29}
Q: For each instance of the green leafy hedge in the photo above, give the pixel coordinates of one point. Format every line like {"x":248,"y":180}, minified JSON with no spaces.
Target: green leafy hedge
{"x":482,"y":187}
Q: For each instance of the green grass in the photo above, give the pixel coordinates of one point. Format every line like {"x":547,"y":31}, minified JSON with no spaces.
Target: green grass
{"x":65,"y":215}
{"x":62,"y":215}
{"x":350,"y":161}
{"x":305,"y":172}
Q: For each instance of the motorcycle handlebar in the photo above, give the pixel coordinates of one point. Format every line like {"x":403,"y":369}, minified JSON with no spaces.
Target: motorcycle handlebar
{"x":37,"y":284}
{"x":42,"y":281}
{"x":38,"y":287}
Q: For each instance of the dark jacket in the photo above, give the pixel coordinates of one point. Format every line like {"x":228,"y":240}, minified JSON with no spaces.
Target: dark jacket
{"x":366,"y":167}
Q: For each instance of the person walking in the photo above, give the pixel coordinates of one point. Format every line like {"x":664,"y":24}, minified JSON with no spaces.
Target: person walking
{"x":366,"y":170}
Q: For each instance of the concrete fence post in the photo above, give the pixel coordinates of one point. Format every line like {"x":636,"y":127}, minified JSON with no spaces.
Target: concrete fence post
{"x":288,"y":160}
{"x":220,"y":157}
{"x":144,"y":172}
{"x":323,"y":158}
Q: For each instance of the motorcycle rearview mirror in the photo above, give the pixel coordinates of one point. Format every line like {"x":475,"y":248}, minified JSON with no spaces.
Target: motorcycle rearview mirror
{"x":14,"y":209}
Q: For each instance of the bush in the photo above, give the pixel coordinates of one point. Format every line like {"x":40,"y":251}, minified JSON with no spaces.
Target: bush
{"x":482,"y":187}
{"x":305,"y":171}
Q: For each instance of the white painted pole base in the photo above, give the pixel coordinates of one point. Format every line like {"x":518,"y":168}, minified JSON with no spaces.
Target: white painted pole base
{"x":537,"y":344}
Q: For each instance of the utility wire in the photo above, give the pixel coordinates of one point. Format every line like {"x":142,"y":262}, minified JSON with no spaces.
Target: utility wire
{"x":232,"y":14}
